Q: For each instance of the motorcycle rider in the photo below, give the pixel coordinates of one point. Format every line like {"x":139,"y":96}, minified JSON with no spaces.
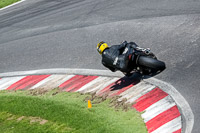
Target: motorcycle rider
{"x":118,"y":57}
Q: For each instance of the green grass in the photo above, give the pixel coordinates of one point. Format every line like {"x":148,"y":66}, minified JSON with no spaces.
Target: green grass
{"x":21,"y":112}
{"x":4,"y":3}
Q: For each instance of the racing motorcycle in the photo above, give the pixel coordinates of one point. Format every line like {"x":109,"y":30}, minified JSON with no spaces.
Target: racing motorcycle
{"x":145,"y":62}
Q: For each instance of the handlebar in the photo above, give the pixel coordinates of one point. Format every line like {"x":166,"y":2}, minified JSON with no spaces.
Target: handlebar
{"x":146,"y":51}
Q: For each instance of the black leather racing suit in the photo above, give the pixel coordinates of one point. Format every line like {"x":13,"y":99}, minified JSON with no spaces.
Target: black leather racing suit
{"x":117,"y":57}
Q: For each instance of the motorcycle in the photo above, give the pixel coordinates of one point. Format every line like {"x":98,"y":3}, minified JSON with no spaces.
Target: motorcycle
{"x":145,"y":62}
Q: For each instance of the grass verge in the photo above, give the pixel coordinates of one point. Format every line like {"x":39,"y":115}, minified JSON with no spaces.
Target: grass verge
{"x":22,"y":111}
{"x":4,"y":3}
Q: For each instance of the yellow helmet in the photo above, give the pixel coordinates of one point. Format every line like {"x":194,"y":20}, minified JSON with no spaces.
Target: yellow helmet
{"x":101,"y":47}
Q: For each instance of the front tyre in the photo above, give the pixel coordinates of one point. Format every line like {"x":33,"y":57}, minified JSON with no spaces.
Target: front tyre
{"x":150,"y":65}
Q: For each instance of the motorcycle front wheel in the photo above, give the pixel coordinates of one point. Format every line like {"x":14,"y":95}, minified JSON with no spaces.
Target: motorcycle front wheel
{"x":150,"y":64}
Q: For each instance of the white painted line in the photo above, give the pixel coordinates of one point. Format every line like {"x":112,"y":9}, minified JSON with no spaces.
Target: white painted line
{"x":140,"y":92}
{"x":170,"y":127}
{"x":11,"y":81}
{"x":12,"y":5}
{"x":157,"y":108}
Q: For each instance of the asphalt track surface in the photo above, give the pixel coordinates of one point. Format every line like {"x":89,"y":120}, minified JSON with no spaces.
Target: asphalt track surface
{"x":41,"y":34}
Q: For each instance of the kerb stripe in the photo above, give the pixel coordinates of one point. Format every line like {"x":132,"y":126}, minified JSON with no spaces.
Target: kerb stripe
{"x":121,"y":90}
{"x":178,"y":131}
{"x":102,"y":84}
{"x":81,"y":83}
{"x":77,"y":82}
{"x":70,"y":81}
{"x":148,"y":99}
{"x":6,"y":82}
{"x":90,"y":84}
{"x":118,"y":87}
{"x":27,"y":81}
{"x":157,"y":108}
{"x":32,"y":82}
{"x":108,"y":88}
{"x":162,"y":118}
{"x":170,"y":126}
